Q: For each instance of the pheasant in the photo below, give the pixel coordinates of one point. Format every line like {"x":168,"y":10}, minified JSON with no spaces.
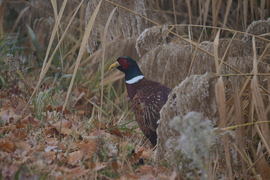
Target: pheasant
{"x":147,"y":97}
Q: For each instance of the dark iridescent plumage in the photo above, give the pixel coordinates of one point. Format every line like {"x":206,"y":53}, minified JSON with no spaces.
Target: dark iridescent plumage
{"x":147,"y":96}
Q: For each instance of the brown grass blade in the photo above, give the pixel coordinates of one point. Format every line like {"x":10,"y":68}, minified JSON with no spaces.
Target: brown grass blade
{"x":189,"y":11}
{"x":216,"y":5}
{"x":239,"y":119}
{"x":260,"y":109}
{"x":175,"y":17}
{"x":262,"y":9}
{"x":222,"y":111}
{"x":81,"y":51}
{"x":215,"y":44}
{"x":262,"y":164}
{"x":239,"y":114}
{"x":54,"y":5}
{"x":221,"y":102}
{"x":104,"y":42}
{"x":2,"y":15}
{"x":195,"y":54}
{"x":245,"y":10}
{"x":46,"y":65}
{"x":206,"y":5}
{"x":255,"y":65}
{"x":226,"y":52}
{"x":263,"y":138}
{"x":54,"y":31}
{"x":228,"y":7}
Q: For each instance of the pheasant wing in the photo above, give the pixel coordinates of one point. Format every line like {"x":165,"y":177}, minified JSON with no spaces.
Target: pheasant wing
{"x":139,"y":115}
{"x":151,"y":102}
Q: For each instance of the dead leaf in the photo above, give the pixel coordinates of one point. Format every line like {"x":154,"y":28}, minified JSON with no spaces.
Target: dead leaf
{"x":29,"y":120}
{"x":5,"y":117}
{"x":130,"y":176}
{"x":138,"y":154}
{"x":78,"y":171}
{"x":9,"y":114}
{"x":5,"y":129}
{"x":148,"y":153}
{"x":22,"y":145}
{"x":99,"y":125}
{"x":8,"y":172}
{"x":80,"y":112}
{"x":22,"y":106}
{"x":59,"y":109}
{"x":49,"y":108}
{"x":88,"y":148}
{"x":115,"y":131}
{"x":51,"y":155}
{"x":64,"y":127}
{"x":74,"y":173}
{"x":19,"y":133}
{"x":74,"y":157}
{"x":135,"y":157}
{"x":146,"y":169}
{"x":114,"y":164}
{"x":20,"y":126}
{"x":97,"y":132}
{"x":7,"y":145}
{"x":100,"y":166}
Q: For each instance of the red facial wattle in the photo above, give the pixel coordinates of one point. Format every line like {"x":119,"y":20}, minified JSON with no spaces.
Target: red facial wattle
{"x":124,"y":63}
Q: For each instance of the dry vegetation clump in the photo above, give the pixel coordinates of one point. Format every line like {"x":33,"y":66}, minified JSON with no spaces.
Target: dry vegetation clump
{"x":63,"y":116}
{"x":221,"y":100}
{"x":186,"y":127}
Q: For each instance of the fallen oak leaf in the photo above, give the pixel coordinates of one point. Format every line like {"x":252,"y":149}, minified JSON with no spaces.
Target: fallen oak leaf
{"x":51,"y":156}
{"x":5,"y":129}
{"x":74,"y":157}
{"x":97,"y":132}
{"x":29,"y":120}
{"x":146,"y":169}
{"x":7,"y":145}
{"x":5,"y":117}
{"x":74,"y":173}
{"x":19,"y":133}
{"x":138,"y":154}
{"x":148,"y":153}
{"x":114,"y":165}
{"x":115,"y":131}
{"x":63,"y":126}
{"x":80,"y":112}
{"x":99,"y":125}
{"x":23,"y":145}
{"x":60,"y":109}
{"x":22,"y":106}
{"x":78,"y":171}
{"x":130,"y":176}
{"x":50,"y":131}
{"x":135,"y":156}
{"x":88,"y":148}
{"x":100,"y":166}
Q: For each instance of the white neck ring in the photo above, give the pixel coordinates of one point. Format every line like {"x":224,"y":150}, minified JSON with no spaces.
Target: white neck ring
{"x":135,"y":79}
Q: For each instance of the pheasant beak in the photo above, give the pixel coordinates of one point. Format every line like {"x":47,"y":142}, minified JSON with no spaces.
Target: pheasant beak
{"x":116,"y":64}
